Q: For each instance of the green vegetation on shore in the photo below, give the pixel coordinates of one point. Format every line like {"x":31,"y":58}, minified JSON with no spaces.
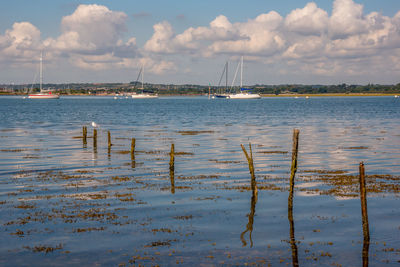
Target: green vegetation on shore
{"x":192,"y":89}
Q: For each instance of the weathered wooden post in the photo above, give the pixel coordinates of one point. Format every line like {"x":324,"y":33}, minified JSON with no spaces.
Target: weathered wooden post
{"x":364,"y":213}
{"x":133,"y":145}
{"x":293,"y":169}
{"x":172,"y":168}
{"x":254,"y":196}
{"x":295,"y":261}
{"x":95,"y":138}
{"x":109,"y":140}
{"x":251,"y":167}
{"x":84,"y":136}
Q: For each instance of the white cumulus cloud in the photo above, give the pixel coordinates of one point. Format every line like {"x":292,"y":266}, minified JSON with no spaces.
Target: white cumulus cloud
{"x":309,"y":20}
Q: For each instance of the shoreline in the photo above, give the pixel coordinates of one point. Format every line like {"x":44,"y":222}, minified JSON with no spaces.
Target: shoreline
{"x":262,"y":95}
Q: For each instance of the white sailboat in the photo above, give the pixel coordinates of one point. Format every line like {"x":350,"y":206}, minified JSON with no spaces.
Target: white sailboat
{"x":244,"y":92}
{"x":41,"y":94}
{"x":143,"y":94}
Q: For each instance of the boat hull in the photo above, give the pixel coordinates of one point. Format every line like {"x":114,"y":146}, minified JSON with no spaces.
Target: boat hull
{"x":143,"y":96}
{"x":244,"y":96}
{"x":44,"y":96}
{"x":221,"y":96}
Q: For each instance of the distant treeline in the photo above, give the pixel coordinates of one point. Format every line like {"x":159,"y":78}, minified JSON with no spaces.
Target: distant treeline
{"x":191,"y":89}
{"x":328,"y":89}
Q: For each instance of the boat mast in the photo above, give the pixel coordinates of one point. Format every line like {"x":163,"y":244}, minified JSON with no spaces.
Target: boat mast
{"x":241,"y":73}
{"x":41,"y":70}
{"x":142,"y":76}
{"x":226,"y":75}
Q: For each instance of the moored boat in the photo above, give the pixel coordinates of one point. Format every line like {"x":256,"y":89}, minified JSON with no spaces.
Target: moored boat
{"x":145,"y":93}
{"x":43,"y":94}
{"x":244,"y":92}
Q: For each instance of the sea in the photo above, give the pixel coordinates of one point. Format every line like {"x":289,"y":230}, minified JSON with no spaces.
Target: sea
{"x":70,"y":200}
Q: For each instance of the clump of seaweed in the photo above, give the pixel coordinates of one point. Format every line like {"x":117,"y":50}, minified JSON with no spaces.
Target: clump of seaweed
{"x":342,"y":185}
{"x":46,"y":249}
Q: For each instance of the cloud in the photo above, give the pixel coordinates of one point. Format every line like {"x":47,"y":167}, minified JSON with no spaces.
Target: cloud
{"x":160,"y":41}
{"x":347,"y":19}
{"x":20,"y":42}
{"x":309,"y":20}
{"x":91,"y":29}
{"x":307,"y":41}
{"x":92,"y":38}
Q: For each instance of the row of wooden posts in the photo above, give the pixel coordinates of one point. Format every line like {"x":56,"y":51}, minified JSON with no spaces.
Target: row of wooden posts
{"x":293,"y":170}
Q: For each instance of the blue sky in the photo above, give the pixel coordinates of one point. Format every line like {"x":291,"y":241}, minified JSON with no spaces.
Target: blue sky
{"x":288,"y":41}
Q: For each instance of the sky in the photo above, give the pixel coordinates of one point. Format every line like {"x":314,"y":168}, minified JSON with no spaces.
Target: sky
{"x":188,"y":42}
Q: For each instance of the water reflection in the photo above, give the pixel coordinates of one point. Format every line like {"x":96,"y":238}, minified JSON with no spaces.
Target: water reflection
{"x":172,"y":179}
{"x":172,"y":168}
{"x":249,"y":226}
{"x":293,"y":244}
{"x":364,"y":212}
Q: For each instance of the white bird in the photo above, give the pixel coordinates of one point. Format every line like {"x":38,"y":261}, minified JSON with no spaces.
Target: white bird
{"x":94,"y":124}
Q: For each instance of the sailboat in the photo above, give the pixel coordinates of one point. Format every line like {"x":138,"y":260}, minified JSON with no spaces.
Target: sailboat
{"x":144,"y":93}
{"x":221,"y":93}
{"x":244,"y":92}
{"x":42,"y":94}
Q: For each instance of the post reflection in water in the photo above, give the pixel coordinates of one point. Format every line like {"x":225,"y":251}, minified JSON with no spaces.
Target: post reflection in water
{"x":249,"y":226}
{"x":364,"y":213}
{"x":293,"y":245}
{"x":172,"y":178}
{"x":172,"y":168}
{"x":133,"y":161}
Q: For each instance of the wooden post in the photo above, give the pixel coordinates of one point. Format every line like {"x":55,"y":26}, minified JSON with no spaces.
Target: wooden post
{"x":109,"y":140}
{"x":172,"y":158}
{"x":363,"y":197}
{"x":254,"y":196}
{"x":84,"y":135}
{"x":172,"y":168}
{"x":133,"y":144}
{"x":364,"y":213}
{"x":293,"y":169}
{"x":251,"y":167}
{"x":95,"y":138}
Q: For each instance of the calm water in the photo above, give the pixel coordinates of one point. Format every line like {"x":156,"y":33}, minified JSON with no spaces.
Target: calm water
{"x":63,"y":201}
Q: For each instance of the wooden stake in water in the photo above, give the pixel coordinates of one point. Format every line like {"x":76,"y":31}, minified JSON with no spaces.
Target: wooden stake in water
{"x":172,"y":168}
{"x":95,"y":138}
{"x":293,"y":168}
{"x":109,"y":140}
{"x":295,"y":261}
{"x":251,"y":167}
{"x":133,"y":144}
{"x":364,"y":213}
{"x":363,"y":197}
{"x":84,"y":135}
